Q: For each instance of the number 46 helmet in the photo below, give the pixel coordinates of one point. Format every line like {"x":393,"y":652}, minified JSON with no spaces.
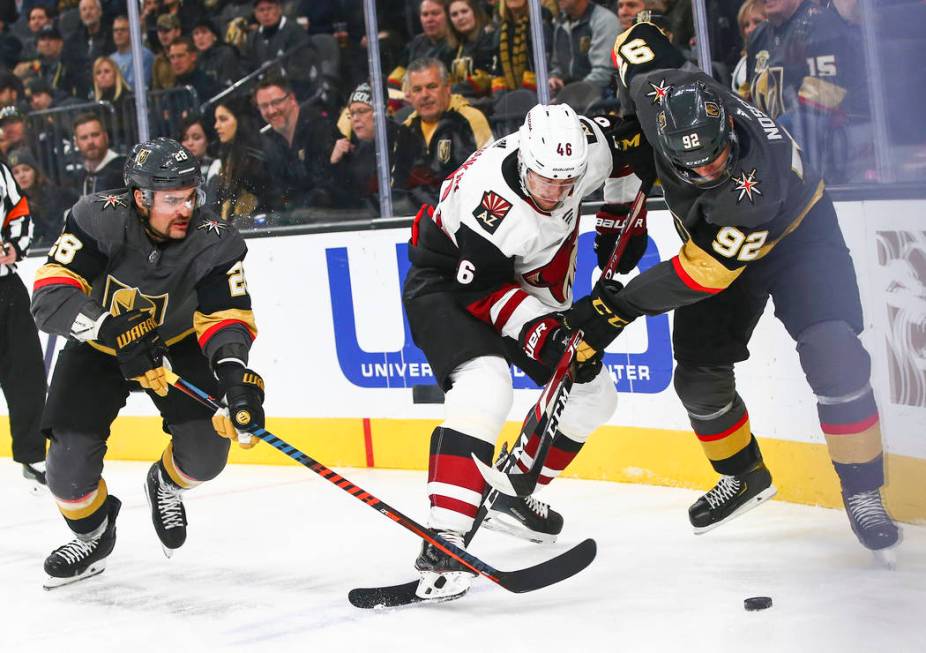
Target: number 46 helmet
{"x":552,"y":144}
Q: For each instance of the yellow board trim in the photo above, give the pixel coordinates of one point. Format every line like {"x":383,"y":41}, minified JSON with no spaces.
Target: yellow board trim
{"x":802,"y":471}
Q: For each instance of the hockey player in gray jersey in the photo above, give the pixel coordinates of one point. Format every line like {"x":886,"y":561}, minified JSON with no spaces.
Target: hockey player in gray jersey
{"x":755,"y":222}
{"x":492,"y":270}
{"x":142,"y":278}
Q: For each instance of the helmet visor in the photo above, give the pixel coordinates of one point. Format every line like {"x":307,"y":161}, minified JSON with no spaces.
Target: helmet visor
{"x":549,"y":193}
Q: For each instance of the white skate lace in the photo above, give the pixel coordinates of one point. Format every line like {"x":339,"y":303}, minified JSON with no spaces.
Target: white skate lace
{"x":169,"y":507}
{"x":76,"y":550}
{"x":538,"y":507}
{"x":725,"y":490}
{"x":453,"y":537}
{"x":867,"y":509}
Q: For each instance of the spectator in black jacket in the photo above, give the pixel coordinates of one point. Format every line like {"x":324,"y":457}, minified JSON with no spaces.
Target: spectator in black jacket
{"x":241,"y":183}
{"x":47,"y":202}
{"x":183,"y":62}
{"x":276,"y":36}
{"x":471,"y":48}
{"x":431,"y":43}
{"x":216,"y":59}
{"x":68,"y":78}
{"x":438,"y":136}
{"x":298,"y":146}
{"x":102,"y":167}
{"x":93,"y":38}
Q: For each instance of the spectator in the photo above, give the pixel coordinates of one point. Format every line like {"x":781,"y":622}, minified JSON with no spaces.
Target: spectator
{"x":13,"y":130}
{"x":239,"y":178}
{"x":439,"y":135}
{"x":514,"y":61}
{"x":196,"y":136}
{"x":431,"y":43}
{"x":67,"y":79}
{"x":168,"y":32}
{"x":10,"y":46}
{"x":750,"y":16}
{"x":353,"y":156}
{"x":10,"y":91}
{"x":39,"y":17}
{"x":183,"y":61}
{"x":110,"y":86}
{"x":583,"y":37}
{"x":471,"y":49}
{"x":91,"y":40}
{"x":627,"y":11}
{"x":102,"y":167}
{"x":298,"y":145}
{"x":277,"y":36}
{"x":122,"y":42}
{"x":40,"y":95}
{"x":218,"y":60}
{"x":47,"y":202}
{"x":187,"y":13}
{"x":806,"y":71}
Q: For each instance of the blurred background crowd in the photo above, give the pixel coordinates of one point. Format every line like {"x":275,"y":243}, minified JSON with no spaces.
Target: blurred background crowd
{"x":274,"y":96}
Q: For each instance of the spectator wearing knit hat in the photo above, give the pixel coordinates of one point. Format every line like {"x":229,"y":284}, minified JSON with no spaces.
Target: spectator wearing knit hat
{"x":218,"y":60}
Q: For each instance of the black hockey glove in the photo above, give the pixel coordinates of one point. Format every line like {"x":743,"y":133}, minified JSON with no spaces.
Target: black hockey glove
{"x":139,"y":349}
{"x":597,"y":316}
{"x":609,"y":222}
{"x":544,"y":339}
{"x":243,"y":390}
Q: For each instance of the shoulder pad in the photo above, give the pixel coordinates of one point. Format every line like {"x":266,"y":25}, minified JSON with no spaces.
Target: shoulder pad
{"x":103,"y":215}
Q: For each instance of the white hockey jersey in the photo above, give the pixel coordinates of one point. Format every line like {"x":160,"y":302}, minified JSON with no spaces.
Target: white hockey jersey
{"x":515,"y":261}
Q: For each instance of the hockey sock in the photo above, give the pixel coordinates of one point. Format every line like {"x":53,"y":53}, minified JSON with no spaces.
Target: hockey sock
{"x":454,"y":483}
{"x":726,"y":438}
{"x":171,"y":472}
{"x":851,"y":426}
{"x":85,"y":514}
{"x":562,"y":451}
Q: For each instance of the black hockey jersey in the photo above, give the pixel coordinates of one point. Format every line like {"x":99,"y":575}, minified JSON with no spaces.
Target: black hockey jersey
{"x":726,"y":227}
{"x":814,"y":59}
{"x":104,"y":261}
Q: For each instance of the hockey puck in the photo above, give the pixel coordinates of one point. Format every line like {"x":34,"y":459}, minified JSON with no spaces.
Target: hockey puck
{"x":757,"y":603}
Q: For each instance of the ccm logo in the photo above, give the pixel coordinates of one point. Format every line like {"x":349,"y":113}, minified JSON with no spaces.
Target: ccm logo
{"x":533,"y":339}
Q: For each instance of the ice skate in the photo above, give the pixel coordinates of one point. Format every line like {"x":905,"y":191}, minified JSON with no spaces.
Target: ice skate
{"x":83,"y":558}
{"x":442,"y":578}
{"x":167,"y":512}
{"x":34,"y":473}
{"x":524,"y":517}
{"x":730,"y":498}
{"x":873,"y":526}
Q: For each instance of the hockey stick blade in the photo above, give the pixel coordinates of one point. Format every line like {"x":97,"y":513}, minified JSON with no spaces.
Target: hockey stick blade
{"x":392,"y":596}
{"x":523,"y":580}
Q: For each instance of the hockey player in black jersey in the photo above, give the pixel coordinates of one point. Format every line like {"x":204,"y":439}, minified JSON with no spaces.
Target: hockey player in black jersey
{"x":142,"y":277}
{"x":492,"y":270}
{"x":755,"y":222}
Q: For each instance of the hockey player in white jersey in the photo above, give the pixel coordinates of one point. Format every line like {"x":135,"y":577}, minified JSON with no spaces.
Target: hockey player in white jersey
{"x":492,"y":267}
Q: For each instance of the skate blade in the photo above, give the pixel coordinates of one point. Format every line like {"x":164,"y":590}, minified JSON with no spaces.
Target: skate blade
{"x":95,"y":569}
{"x":502,"y":524}
{"x":168,"y":553}
{"x":754,"y":502}
{"x":443,"y":586}
{"x":885,"y":558}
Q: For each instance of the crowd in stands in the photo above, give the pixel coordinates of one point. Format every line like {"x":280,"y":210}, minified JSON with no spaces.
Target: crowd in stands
{"x":273,"y":96}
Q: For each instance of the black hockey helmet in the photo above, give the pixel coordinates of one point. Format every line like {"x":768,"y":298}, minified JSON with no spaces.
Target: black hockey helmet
{"x":692,"y":130}
{"x":161,"y":164}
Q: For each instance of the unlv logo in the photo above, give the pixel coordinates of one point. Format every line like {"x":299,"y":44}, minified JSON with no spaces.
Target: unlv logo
{"x":491,"y":210}
{"x":560,"y":272}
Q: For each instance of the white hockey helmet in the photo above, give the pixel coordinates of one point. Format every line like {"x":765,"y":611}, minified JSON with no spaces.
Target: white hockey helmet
{"x":552,"y":144}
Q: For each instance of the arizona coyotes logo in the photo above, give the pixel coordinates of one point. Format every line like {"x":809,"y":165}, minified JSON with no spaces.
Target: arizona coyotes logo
{"x":120,"y":298}
{"x":560,"y":272}
{"x":111,"y":201}
{"x":660,"y":92}
{"x":491,"y":210}
{"x":746,"y":185}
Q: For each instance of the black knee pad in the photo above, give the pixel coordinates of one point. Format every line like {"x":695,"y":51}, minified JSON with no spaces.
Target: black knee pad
{"x":704,"y":390}
{"x":74,"y":463}
{"x":199,"y":451}
{"x":833,"y":358}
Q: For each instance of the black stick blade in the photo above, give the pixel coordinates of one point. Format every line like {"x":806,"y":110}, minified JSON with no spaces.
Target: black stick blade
{"x":565,"y":565}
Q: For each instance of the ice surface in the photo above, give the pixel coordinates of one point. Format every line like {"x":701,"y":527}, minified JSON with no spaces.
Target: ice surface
{"x":273,"y":551}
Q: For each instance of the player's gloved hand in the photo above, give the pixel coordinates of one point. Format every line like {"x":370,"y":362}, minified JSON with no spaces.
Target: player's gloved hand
{"x":596,"y":314}
{"x":139,"y":348}
{"x":243,"y":391}
{"x":545,"y":338}
{"x":609,"y":221}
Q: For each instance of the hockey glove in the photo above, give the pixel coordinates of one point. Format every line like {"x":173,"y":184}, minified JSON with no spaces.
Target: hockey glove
{"x":609,"y":222}
{"x":544,"y":339}
{"x":597,"y":316}
{"x":139,"y":349}
{"x":243,"y":390}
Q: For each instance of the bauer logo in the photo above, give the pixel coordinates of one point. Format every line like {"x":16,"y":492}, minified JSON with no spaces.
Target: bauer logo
{"x":649,"y":371}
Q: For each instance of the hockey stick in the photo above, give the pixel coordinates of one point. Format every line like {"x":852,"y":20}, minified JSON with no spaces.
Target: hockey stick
{"x":546,"y":573}
{"x":546,"y":412}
